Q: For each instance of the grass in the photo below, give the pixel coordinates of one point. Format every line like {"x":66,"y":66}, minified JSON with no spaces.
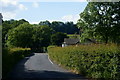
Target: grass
{"x":73,"y":35}
{"x":17,"y":49}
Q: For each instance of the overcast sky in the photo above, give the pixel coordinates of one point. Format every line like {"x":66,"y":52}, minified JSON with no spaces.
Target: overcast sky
{"x":34,"y":12}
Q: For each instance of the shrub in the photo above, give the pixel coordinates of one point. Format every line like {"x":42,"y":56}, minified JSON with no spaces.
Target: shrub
{"x":10,"y":57}
{"x":95,"y":61}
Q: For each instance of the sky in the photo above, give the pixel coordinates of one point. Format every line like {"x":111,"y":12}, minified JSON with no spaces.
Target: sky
{"x":36,"y":11}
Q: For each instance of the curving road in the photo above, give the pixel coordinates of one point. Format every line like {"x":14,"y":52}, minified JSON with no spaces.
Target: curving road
{"x":39,"y":66}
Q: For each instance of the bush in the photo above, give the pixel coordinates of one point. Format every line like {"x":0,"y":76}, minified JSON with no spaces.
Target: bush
{"x":58,"y":38}
{"x":10,"y":57}
{"x":95,"y":61}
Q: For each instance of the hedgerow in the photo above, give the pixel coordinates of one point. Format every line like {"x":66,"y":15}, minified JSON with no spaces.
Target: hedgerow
{"x":10,"y":57}
{"x":94,"y":61}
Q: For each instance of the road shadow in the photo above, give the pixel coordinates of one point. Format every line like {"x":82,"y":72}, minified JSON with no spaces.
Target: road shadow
{"x":21,"y":73}
{"x":46,"y":75}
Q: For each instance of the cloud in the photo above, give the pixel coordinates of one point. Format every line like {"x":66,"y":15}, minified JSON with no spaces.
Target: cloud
{"x":53,"y":0}
{"x":22,"y":7}
{"x":73,"y":18}
{"x":64,"y":19}
{"x":35,"y":22}
{"x":10,"y":8}
{"x":8,"y":15}
{"x":35,"y":4}
{"x":68,"y":0}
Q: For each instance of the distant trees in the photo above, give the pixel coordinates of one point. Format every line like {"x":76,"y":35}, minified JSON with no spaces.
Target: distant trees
{"x":58,"y":38}
{"x":57,"y":26}
{"x":45,"y":23}
{"x":100,"y":21}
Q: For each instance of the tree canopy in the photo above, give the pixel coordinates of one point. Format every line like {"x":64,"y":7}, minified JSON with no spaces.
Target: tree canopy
{"x":20,"y":36}
{"x":10,"y":24}
{"x":58,"y":38}
{"x":57,"y":26}
{"x":100,"y":21}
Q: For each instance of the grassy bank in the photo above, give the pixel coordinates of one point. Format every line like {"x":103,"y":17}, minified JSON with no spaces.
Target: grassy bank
{"x":94,"y":61}
{"x":11,"y":56}
{"x":73,"y":35}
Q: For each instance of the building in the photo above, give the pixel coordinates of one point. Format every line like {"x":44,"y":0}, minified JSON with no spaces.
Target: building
{"x":70,"y":41}
{"x":87,"y":40}
{"x":1,"y":19}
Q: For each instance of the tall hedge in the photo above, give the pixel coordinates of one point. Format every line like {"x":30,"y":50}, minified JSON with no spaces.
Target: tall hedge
{"x":94,"y":61}
{"x":10,"y":57}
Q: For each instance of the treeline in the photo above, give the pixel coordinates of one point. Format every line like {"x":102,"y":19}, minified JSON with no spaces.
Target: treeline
{"x":20,"y":33}
{"x":101,"y":21}
{"x":57,"y":26}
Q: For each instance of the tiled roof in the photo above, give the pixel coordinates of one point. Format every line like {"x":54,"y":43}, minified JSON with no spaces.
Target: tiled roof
{"x":71,"y":41}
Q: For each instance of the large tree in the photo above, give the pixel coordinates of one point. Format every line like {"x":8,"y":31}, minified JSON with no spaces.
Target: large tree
{"x":20,"y":36}
{"x":100,"y":20}
{"x":10,"y":24}
{"x":41,"y":36}
{"x":31,"y":36}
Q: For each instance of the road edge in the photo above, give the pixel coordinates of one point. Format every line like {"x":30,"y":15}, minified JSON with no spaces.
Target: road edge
{"x":50,"y":60}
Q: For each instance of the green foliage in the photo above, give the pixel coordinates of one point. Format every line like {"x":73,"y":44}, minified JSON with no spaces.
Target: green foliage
{"x":10,"y":57}
{"x":100,"y":21}
{"x":73,"y":35}
{"x":58,"y":38}
{"x":41,"y":36}
{"x":51,"y":46}
{"x":96,"y":61}
{"x":29,"y":36}
{"x":57,"y":26}
{"x":20,"y":36}
{"x":10,"y":24}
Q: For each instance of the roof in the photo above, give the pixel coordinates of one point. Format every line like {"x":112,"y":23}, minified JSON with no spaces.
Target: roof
{"x":91,"y":40}
{"x":71,"y":41}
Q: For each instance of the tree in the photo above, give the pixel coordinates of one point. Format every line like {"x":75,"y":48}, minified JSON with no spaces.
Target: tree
{"x":46,"y":23}
{"x":30,"y":36}
{"x":20,"y":36}
{"x":97,"y":20}
{"x":58,"y":38}
{"x":41,"y":36}
{"x":115,"y":36}
{"x":71,"y":28}
{"x":10,"y":24}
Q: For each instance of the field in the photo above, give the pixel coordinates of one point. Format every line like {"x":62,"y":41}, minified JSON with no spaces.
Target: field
{"x":73,"y":35}
{"x":93,"y":61}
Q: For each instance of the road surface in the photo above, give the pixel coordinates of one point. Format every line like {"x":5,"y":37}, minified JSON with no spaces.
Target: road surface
{"x":39,"y":66}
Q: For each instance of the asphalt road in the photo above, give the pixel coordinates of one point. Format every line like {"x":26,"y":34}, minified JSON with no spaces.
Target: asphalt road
{"x":39,"y":66}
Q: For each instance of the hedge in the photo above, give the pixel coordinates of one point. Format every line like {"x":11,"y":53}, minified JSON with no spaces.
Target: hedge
{"x":10,"y":57}
{"x":94,"y":61}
